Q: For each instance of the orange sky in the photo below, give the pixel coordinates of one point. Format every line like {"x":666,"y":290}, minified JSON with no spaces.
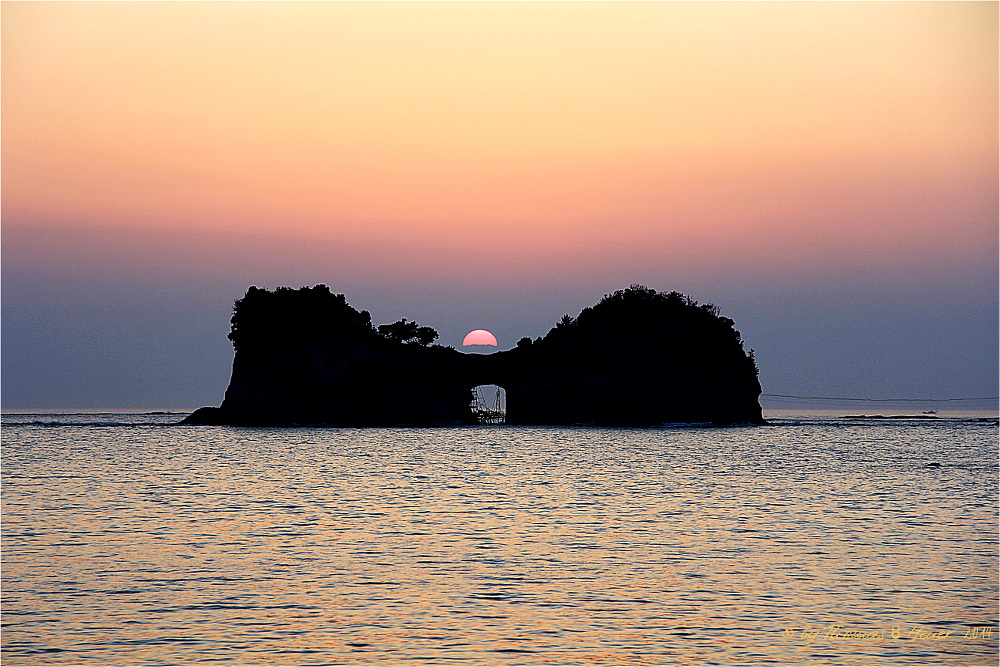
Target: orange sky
{"x":810,"y":131}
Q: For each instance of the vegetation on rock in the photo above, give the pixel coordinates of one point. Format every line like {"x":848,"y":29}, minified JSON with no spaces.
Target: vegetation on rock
{"x":638,"y":357}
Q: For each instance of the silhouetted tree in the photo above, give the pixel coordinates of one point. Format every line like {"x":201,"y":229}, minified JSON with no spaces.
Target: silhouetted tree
{"x":398,"y":331}
{"x":426,"y":335}
{"x":648,"y":318}
{"x":288,"y":316}
{"x":408,"y":332}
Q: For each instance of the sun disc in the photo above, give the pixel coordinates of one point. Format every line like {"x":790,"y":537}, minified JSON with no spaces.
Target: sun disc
{"x":480,"y":337}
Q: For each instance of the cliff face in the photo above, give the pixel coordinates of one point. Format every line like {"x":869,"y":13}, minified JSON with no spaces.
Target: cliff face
{"x":637,"y":358}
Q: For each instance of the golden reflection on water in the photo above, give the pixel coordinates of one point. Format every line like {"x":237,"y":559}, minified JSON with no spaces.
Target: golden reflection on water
{"x":496,"y":545}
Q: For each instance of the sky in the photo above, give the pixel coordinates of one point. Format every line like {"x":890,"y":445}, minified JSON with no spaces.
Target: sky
{"x":825,"y":173}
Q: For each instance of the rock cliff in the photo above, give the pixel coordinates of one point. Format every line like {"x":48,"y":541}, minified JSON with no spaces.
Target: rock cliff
{"x":637,"y":358}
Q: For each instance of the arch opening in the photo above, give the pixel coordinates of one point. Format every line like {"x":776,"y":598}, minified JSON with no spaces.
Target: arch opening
{"x":489,"y":404}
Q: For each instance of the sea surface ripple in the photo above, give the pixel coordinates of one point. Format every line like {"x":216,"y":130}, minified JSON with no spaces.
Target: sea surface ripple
{"x":129,"y":540}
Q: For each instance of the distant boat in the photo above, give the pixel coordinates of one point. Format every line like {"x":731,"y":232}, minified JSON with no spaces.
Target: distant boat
{"x":930,"y":412}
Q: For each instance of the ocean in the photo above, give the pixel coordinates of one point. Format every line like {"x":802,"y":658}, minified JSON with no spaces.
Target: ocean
{"x":818,"y":539}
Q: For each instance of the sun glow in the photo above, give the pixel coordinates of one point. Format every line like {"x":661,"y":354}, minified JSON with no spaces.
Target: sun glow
{"x":594,"y":139}
{"x":480,"y":337}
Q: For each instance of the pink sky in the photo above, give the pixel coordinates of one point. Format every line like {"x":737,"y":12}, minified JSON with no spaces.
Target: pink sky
{"x":497,"y":165}
{"x":547,"y":134}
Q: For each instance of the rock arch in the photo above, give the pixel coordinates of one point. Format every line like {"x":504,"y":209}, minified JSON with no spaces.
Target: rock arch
{"x":637,"y":358}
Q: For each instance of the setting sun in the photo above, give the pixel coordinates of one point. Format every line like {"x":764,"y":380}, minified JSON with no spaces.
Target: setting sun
{"x":742,"y":256}
{"x":480,"y":337}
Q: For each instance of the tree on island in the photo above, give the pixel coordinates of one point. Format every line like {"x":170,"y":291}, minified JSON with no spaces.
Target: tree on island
{"x":296,"y":316}
{"x":408,"y":332}
{"x":630,"y":323}
{"x":637,"y":358}
{"x":292,"y":317}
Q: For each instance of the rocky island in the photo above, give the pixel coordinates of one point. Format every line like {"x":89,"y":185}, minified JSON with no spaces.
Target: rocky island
{"x":637,"y":358}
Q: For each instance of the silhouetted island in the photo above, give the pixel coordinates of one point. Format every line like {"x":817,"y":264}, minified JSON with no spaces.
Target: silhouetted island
{"x":637,"y":358}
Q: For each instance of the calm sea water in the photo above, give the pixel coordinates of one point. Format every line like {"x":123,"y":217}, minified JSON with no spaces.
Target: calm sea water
{"x":127,"y":540}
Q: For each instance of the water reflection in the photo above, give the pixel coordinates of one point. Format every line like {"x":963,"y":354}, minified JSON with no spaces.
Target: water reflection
{"x":182,"y":544}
